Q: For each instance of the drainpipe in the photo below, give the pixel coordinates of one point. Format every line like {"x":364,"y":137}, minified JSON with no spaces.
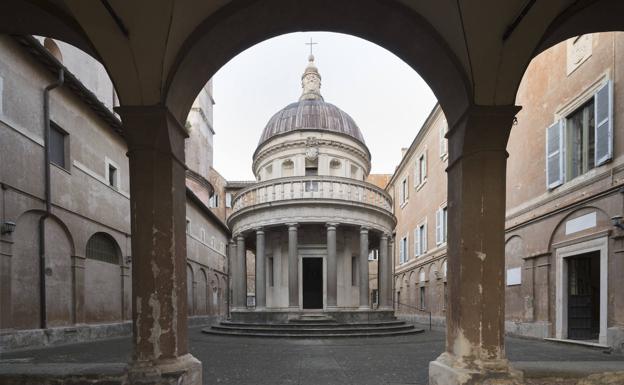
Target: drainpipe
{"x":48,"y":204}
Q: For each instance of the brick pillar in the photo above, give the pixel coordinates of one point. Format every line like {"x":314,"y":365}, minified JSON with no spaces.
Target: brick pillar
{"x":157,"y":208}
{"x":475,"y":348}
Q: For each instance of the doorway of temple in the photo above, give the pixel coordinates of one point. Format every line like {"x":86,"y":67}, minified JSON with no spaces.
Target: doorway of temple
{"x":312,"y":274}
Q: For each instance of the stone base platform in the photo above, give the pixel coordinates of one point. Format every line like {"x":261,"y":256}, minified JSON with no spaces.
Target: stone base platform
{"x":341,"y":324}
{"x":283,"y":316}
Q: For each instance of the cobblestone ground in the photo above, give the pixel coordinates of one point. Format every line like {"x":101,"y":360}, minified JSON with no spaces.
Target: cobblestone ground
{"x":242,"y":361}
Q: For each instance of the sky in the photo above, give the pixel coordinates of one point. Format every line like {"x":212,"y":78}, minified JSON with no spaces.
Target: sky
{"x":387,"y":99}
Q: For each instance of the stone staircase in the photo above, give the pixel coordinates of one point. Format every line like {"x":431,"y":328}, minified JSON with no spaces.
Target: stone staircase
{"x":313,"y":326}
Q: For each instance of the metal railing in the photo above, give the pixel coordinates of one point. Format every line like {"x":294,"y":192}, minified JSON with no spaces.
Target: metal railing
{"x":415,"y":308}
{"x":312,"y":187}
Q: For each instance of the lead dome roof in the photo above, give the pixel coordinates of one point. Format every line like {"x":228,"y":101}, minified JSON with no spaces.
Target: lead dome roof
{"x":311,"y":112}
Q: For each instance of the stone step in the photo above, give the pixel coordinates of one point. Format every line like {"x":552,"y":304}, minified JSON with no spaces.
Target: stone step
{"x":242,"y":333}
{"x":316,"y":331}
{"x":315,"y":324}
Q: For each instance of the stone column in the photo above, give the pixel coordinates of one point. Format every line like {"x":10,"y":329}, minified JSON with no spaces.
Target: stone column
{"x":475,"y":349}
{"x":384,"y":275}
{"x":240,"y":293}
{"x":364,"y":268}
{"x":6,"y":252}
{"x":157,"y":216}
{"x":260,"y":270}
{"x":391,"y":278}
{"x":232,"y":275}
{"x":332,"y":266}
{"x":293,"y":267}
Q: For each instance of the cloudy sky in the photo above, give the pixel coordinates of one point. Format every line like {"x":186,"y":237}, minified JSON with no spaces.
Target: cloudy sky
{"x":385,"y":97}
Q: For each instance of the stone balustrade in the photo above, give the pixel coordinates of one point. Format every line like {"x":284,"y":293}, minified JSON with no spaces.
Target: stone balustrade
{"x":329,"y":188}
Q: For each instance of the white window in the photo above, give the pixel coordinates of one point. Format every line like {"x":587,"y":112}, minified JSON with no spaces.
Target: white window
{"x":420,"y":170}
{"x":403,"y":192}
{"x":403,"y":252}
{"x":228,"y":200}
{"x":441,"y":225}
{"x":443,"y":141}
{"x":420,"y":239}
{"x":581,"y":140}
{"x":214,"y":200}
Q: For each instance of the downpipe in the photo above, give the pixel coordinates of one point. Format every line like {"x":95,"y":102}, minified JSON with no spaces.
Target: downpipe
{"x":43,"y":321}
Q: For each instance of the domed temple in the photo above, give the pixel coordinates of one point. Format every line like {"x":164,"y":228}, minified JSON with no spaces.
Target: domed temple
{"x":311,"y":218}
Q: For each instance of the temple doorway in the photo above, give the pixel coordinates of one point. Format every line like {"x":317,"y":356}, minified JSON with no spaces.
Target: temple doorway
{"x":312,"y":272}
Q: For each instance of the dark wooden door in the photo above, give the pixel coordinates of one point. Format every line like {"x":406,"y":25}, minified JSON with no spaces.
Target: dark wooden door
{"x":583,"y":312}
{"x":312,"y":271}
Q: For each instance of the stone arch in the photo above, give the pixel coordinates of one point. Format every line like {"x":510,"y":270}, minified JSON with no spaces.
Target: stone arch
{"x":190,"y":290}
{"x":25,"y":275}
{"x":558,"y":233}
{"x":239,"y":25}
{"x":102,"y":279}
{"x":412,"y":288}
{"x":201,"y":294}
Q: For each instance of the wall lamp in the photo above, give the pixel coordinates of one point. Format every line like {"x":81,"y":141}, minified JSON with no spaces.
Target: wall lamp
{"x":7,"y":227}
{"x":617,"y":222}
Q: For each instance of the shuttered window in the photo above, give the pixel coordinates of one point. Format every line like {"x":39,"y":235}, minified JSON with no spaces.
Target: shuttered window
{"x":581,"y":140}
{"x":441,"y":225}
{"x":57,"y":145}
{"x":603,"y":107}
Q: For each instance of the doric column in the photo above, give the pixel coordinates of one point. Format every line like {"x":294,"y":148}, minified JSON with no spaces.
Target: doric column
{"x":158,"y":206}
{"x":391,"y":264}
{"x":384,"y":274}
{"x":364,"y":268}
{"x":332,"y":283}
{"x":475,"y":349}
{"x":293,"y":267}
{"x":240,"y":293}
{"x":232,"y":274}
{"x":260,"y":270}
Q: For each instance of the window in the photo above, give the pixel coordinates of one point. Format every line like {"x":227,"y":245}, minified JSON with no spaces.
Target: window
{"x":373,"y":255}
{"x":420,"y":170}
{"x":581,"y":140}
{"x":441,"y":225}
{"x":58,"y":142}
{"x":311,"y":169}
{"x":228,"y":200}
{"x":188,"y":226}
{"x":102,"y":247}
{"x":202,"y":232}
{"x":354,"y":269}
{"x":271,"y":283}
{"x":268,"y":172}
{"x":403,"y":256}
{"x":403,"y":192}
{"x":112,"y":176}
{"x":354,"y":171}
{"x":443,"y":142}
{"x":420,"y":239}
{"x":375,"y":297}
{"x":213,"y":201}
{"x":422,"y":297}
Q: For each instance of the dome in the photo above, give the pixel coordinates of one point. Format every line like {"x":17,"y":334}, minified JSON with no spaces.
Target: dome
{"x":311,"y":114}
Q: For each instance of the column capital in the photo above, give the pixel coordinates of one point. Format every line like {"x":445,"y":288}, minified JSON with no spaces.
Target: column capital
{"x":239,"y":237}
{"x":384,"y":236}
{"x":259,"y":230}
{"x":331,"y":225}
{"x":363,"y":229}
{"x":292,"y":226}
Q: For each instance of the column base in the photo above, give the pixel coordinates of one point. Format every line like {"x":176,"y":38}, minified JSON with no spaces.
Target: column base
{"x":184,"y":370}
{"x":446,"y":370}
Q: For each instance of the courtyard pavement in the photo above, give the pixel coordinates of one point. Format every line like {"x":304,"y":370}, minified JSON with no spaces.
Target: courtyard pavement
{"x":361,"y":361}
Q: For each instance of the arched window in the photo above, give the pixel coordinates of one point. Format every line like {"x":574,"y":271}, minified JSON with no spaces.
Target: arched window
{"x":102,"y":247}
{"x":53,"y":48}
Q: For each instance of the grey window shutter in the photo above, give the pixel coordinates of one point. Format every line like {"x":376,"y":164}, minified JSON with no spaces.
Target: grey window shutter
{"x":439,"y":227}
{"x":554,"y":155}
{"x":417,"y":241}
{"x":603,"y":123}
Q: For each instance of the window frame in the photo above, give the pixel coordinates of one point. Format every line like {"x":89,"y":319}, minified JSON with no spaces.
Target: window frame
{"x":110,"y":163}
{"x":66,"y":142}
